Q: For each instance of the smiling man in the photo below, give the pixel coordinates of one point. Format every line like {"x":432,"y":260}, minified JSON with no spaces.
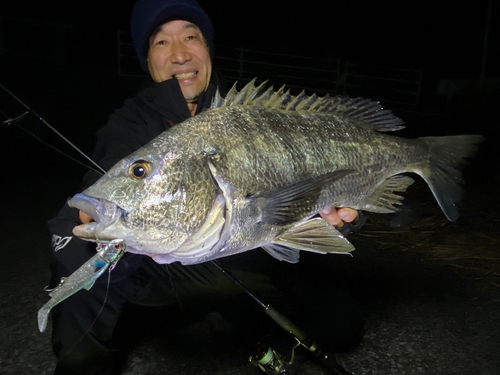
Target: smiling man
{"x":173,"y":41}
{"x":177,"y":49}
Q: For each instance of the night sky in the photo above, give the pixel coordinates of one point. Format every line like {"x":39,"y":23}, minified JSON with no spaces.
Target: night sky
{"x":441,"y":36}
{"x":77,"y":95}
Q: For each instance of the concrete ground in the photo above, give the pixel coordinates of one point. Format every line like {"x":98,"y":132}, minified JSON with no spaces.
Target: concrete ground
{"x":413,"y":315}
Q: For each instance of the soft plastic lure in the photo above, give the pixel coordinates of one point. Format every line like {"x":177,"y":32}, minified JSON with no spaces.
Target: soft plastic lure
{"x":83,"y":277}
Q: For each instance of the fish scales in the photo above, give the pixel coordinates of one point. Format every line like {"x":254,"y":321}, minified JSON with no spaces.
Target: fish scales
{"x":254,"y":170}
{"x":301,"y":153}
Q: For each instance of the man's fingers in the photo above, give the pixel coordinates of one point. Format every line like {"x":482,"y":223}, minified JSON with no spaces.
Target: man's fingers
{"x":84,"y":218}
{"x":347,"y":214}
{"x":330,"y":215}
{"x":337,"y":217}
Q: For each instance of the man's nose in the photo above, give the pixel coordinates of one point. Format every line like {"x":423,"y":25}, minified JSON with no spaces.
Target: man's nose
{"x":180,"y":53}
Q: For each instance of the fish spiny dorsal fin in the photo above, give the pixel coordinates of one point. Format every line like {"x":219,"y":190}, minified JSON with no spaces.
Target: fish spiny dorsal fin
{"x":244,"y":97}
{"x":217,"y":100}
{"x":256,"y":93}
{"x":296,"y":101}
{"x":366,"y":112}
{"x":275,"y":99}
{"x":231,"y":94}
{"x":264,"y":98}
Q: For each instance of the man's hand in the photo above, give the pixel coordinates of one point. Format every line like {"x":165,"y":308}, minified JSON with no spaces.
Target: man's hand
{"x":337,"y":217}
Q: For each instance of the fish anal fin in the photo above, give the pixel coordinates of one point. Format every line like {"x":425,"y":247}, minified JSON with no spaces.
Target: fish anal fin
{"x":317,"y":236}
{"x":384,"y":199}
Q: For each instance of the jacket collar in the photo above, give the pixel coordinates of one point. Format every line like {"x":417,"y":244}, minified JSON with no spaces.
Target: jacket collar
{"x":167,"y":99}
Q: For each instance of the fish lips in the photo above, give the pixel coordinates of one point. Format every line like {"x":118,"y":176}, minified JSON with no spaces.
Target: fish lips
{"x":105,"y":213}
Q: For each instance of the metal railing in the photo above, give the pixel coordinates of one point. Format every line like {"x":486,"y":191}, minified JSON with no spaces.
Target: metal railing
{"x":127,"y":61}
{"x":296,"y":72}
{"x":395,"y":87}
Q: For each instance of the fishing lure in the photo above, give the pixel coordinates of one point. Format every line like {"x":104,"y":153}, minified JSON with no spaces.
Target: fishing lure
{"x":83,"y":277}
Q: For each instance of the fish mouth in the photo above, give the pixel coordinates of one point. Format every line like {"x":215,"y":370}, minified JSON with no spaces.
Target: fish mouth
{"x":105,"y":214}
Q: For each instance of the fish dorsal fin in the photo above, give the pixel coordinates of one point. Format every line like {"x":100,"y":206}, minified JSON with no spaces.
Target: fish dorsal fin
{"x":366,"y":112}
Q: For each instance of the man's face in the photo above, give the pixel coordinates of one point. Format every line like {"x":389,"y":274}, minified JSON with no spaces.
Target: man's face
{"x":178,"y":49}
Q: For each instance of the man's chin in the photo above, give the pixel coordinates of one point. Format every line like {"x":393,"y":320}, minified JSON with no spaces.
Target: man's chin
{"x":190,"y":93}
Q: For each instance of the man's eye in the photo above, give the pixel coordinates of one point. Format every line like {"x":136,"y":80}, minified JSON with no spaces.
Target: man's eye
{"x":161,"y":42}
{"x":191,"y":37}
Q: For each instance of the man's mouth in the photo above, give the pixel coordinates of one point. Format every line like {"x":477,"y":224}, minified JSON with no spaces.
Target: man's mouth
{"x":185,"y":75}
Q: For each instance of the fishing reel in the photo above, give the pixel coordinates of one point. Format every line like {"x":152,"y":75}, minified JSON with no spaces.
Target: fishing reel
{"x":270,"y":356}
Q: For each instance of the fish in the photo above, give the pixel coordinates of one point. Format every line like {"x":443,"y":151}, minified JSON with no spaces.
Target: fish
{"x":83,"y":278}
{"x":255,"y":169}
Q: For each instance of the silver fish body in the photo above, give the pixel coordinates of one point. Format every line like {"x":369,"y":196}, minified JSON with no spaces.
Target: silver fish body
{"x":254,"y":170}
{"x":83,"y":278}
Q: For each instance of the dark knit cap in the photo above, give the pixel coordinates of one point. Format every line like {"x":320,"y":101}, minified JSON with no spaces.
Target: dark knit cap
{"x":148,"y":15}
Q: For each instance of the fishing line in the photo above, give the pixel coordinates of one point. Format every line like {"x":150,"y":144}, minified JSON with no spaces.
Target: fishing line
{"x":102,"y":171}
{"x":98,"y":314}
{"x":98,"y":169}
{"x":56,"y":149}
{"x":174,"y":289}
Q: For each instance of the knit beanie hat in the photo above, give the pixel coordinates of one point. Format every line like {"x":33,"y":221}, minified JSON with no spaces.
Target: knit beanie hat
{"x":148,"y":15}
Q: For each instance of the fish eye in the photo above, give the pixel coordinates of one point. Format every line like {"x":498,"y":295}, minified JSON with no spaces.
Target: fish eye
{"x":139,"y":170}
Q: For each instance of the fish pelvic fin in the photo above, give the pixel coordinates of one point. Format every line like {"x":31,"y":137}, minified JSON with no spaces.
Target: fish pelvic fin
{"x":282,"y":253}
{"x":365,"y":112}
{"x":447,"y":156}
{"x":384,"y":200}
{"x":314,"y":235}
{"x":292,"y":203}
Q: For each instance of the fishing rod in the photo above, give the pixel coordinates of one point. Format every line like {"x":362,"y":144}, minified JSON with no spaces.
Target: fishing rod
{"x":29,"y":110}
{"x":269,"y":361}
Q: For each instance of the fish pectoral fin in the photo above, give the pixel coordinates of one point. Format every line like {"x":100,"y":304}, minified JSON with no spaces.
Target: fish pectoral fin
{"x":209,"y":233}
{"x":291,"y":203}
{"x":317,"y":236}
{"x":384,"y":199}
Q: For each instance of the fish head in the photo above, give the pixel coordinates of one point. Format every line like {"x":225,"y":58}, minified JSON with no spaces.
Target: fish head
{"x":154,"y":199}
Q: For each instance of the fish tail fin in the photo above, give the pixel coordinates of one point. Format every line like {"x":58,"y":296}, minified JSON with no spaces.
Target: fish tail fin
{"x":43,"y":316}
{"x":447,"y":156}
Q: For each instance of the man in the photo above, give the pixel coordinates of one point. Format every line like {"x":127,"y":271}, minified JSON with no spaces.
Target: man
{"x":173,"y":40}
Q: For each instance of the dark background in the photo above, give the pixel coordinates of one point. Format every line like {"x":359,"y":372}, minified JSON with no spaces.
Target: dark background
{"x":416,"y":314}
{"x":70,"y":77}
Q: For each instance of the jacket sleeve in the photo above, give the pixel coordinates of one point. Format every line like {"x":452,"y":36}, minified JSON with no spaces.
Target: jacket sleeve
{"x":348,"y":228}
